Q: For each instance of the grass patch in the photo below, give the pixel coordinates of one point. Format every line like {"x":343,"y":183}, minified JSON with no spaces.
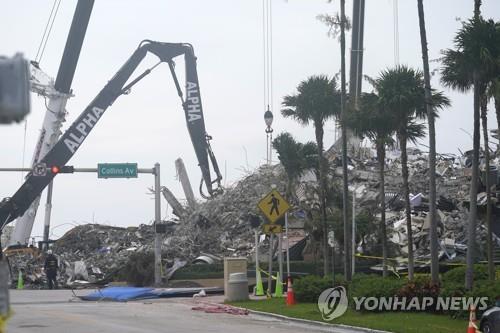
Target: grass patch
{"x":399,"y":322}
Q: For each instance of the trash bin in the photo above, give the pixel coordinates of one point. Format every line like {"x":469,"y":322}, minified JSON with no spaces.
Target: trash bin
{"x":237,"y":287}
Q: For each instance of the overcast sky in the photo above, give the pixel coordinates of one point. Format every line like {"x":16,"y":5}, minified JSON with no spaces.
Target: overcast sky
{"x":148,"y":125}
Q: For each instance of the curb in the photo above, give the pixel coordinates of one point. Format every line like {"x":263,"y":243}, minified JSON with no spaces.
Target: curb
{"x":314,"y":323}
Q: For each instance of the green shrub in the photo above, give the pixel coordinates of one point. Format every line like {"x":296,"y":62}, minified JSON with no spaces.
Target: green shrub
{"x":457,"y":275}
{"x":308,"y":288}
{"x":420,"y":287}
{"x":375,"y":286}
{"x":453,"y":289}
{"x":490,"y":289}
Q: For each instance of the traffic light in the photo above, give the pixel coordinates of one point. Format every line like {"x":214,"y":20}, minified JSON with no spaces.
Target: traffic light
{"x":62,"y":169}
{"x":14,"y":89}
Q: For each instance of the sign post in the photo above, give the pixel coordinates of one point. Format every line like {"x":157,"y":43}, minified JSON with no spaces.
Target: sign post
{"x":287,"y":247}
{"x":331,"y":242}
{"x":274,"y":207}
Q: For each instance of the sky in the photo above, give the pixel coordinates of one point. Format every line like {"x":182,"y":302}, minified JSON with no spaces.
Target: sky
{"x":148,"y":126}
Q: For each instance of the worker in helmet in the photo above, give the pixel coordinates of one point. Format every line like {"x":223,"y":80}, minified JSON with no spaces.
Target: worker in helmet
{"x":50,"y":268}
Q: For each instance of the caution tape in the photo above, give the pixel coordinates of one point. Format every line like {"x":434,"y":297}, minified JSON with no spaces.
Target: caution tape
{"x":274,"y":277}
{"x":359,"y":255}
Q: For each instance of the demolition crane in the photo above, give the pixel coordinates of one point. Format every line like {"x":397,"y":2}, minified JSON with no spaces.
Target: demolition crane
{"x":72,"y":139}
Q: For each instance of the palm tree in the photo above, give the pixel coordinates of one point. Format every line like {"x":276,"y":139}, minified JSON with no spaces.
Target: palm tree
{"x":377,"y":124}
{"x":338,"y":24}
{"x":432,"y":147}
{"x":472,"y":64}
{"x":401,"y":92}
{"x":316,"y":101}
{"x":295,"y":157}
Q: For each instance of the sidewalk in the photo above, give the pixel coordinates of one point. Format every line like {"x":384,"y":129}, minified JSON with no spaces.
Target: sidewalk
{"x":310,"y":324}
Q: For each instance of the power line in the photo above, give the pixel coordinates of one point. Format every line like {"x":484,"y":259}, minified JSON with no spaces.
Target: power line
{"x":48,"y":29}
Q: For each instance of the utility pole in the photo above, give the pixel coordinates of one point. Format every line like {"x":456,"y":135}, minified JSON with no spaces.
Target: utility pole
{"x":356,"y":67}
{"x":48,"y":210}
{"x":343,"y":108}
{"x":353,"y":233}
{"x":158,"y":238}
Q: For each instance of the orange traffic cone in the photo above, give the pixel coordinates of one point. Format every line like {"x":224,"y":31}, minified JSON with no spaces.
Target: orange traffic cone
{"x":290,"y":295}
{"x":472,"y":320}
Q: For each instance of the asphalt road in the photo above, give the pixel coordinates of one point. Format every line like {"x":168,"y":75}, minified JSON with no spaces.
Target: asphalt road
{"x":58,"y":312}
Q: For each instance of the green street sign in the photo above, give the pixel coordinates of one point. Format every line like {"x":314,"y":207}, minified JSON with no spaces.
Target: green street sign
{"x":117,"y":170}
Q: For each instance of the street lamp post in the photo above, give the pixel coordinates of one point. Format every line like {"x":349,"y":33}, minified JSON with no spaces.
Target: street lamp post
{"x":268,"y":118}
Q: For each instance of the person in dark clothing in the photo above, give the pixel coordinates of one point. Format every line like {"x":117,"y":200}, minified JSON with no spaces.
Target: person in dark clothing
{"x":50,"y":267}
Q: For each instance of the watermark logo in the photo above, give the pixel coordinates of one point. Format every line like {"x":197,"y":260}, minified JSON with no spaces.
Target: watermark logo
{"x":419,"y":304}
{"x":332,"y":303}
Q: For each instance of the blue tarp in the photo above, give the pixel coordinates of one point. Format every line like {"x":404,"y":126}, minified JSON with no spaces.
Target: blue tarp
{"x":123,"y":294}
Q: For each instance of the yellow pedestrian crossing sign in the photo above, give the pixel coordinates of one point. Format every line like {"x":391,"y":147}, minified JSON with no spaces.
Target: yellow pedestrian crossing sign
{"x":274,"y":206}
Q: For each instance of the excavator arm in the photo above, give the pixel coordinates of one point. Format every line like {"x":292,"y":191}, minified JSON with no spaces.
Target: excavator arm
{"x":72,"y":139}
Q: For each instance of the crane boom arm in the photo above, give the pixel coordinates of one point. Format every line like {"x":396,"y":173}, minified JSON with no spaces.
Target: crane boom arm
{"x":72,"y":139}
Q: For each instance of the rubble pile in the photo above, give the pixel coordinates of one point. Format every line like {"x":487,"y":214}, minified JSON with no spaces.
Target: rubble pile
{"x":452,"y":187}
{"x":100,"y":249}
{"x":87,"y":254}
{"x":225,"y":225}
{"x":222,"y":226}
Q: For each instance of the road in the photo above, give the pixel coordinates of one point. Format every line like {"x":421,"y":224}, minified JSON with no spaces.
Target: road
{"x":57,"y":311}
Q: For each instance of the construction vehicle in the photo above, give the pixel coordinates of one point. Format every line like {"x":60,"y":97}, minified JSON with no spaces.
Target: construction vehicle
{"x":56,"y":94}
{"x":47,"y":168}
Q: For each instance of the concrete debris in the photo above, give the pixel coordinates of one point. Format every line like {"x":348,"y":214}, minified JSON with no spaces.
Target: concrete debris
{"x":186,"y":184}
{"x":220,"y":227}
{"x":225,"y":225}
{"x":173,"y":202}
{"x":453,"y":179}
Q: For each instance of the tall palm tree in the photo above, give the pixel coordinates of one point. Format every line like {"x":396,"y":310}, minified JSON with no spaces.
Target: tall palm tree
{"x":316,"y":101}
{"x":339,"y":24}
{"x":471,"y":65}
{"x":432,"y":147}
{"x":401,"y":92}
{"x":378,"y":125}
{"x":295,"y":157}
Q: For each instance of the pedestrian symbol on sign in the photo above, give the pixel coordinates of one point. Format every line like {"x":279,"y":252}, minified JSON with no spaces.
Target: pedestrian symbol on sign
{"x":275,"y":202}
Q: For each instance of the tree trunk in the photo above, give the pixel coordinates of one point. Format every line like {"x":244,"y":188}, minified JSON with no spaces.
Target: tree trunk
{"x":432,"y":148}
{"x":406,"y":193}
{"x":322,"y":195}
{"x":497,"y":111}
{"x":345,"y":190}
{"x":477,"y":8}
{"x":489,"y":240}
{"x":471,"y":230}
{"x":383,"y":228}
{"x":289,"y":189}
